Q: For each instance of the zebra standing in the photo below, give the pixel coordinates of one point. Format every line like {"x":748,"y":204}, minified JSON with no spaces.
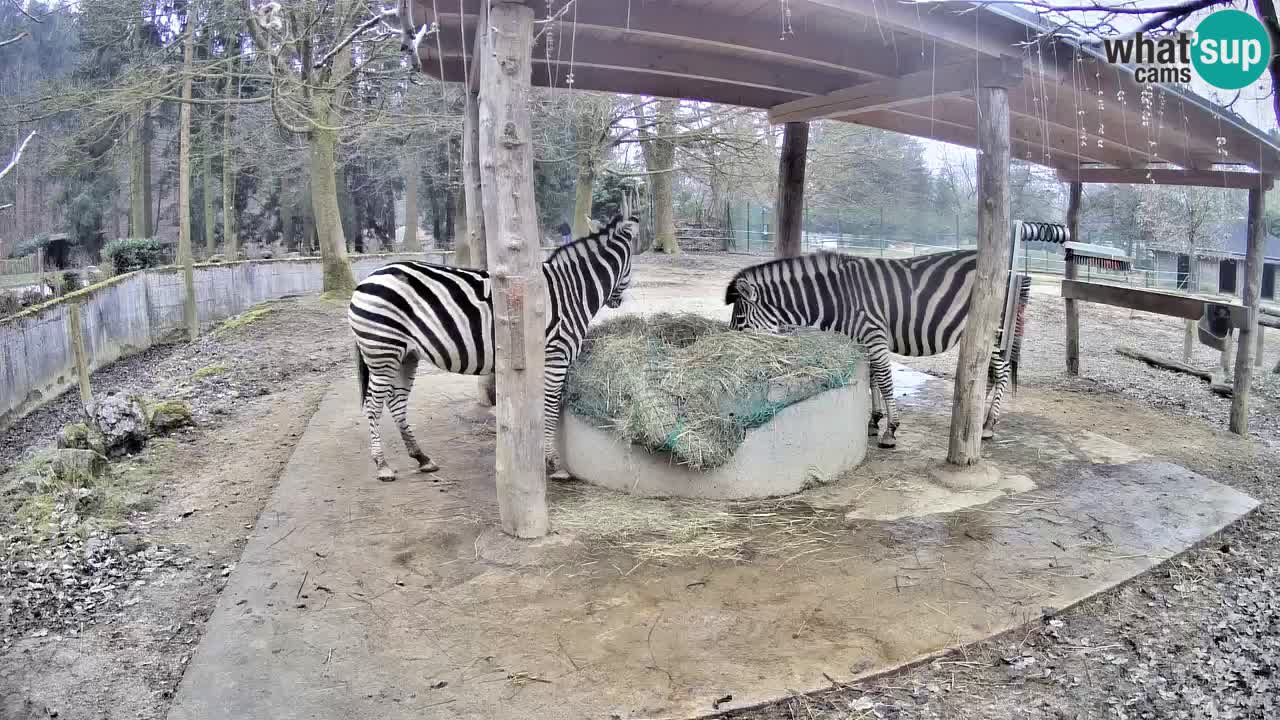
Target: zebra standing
{"x":915,"y":307}
{"x":408,"y":310}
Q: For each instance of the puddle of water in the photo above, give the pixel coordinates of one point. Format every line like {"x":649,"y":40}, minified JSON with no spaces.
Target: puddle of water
{"x":907,"y":381}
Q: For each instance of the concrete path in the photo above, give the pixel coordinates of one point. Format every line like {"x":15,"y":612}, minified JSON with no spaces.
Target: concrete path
{"x":359,"y":599}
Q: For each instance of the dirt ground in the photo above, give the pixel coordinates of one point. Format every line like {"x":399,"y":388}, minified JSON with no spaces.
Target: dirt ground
{"x":1196,"y":638}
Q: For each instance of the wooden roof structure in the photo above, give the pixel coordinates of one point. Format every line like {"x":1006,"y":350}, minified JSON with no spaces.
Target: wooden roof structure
{"x":909,"y":68}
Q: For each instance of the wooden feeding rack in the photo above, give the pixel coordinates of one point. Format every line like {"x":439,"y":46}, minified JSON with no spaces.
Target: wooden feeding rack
{"x":1097,"y":256}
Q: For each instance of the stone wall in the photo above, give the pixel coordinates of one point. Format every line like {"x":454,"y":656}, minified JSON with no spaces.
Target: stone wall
{"x":132,"y":312}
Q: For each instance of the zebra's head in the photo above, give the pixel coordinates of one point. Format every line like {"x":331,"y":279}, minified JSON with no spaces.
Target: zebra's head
{"x":624,"y":231}
{"x":750,"y":312}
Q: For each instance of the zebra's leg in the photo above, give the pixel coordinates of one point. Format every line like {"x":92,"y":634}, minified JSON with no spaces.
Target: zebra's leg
{"x":882,"y":381}
{"x":376,"y":394}
{"x":877,"y":411}
{"x":399,"y":405}
{"x":554,"y":369}
{"x":999,"y":372}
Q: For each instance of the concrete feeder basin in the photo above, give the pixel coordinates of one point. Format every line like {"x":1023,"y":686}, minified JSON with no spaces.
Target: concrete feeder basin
{"x":808,"y":443}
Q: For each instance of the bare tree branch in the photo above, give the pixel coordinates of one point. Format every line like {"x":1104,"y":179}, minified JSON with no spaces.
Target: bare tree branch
{"x":15,"y":38}
{"x":17,"y":156}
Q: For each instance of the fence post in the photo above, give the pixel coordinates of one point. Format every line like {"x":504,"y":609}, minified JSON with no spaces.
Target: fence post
{"x":76,"y":335}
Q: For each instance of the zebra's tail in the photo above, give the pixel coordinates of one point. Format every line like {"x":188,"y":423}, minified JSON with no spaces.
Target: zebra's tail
{"x":1015,"y":347}
{"x":362,"y":372}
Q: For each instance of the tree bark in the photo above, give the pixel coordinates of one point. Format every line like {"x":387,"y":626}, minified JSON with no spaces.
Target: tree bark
{"x":473,"y":252}
{"x":1072,"y":309}
{"x":151,"y":210}
{"x":230,"y":241}
{"x":324,"y":182}
{"x":184,"y":187}
{"x":788,"y":216}
{"x":206,"y":186}
{"x":410,"y":171}
{"x":519,"y":301}
{"x":986,"y":299}
{"x":139,"y":206}
{"x":583,"y":194}
{"x":660,"y":155}
{"x":1251,"y":298}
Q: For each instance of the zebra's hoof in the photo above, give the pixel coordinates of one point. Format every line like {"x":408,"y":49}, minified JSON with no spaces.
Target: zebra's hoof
{"x":561,"y":475}
{"x":386,"y":474}
{"x":428,"y":467}
{"x":888,"y":442}
{"x":988,"y":433}
{"x":873,"y":430}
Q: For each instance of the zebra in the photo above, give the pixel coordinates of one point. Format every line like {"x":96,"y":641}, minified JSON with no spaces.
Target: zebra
{"x":913,"y":306}
{"x":405,"y":311}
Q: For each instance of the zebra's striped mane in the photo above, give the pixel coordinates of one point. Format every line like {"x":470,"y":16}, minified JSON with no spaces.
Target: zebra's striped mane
{"x":819,"y":262}
{"x":603,"y":235}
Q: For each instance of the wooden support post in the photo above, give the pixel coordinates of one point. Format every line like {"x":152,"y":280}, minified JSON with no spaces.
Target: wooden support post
{"x":1069,"y":271}
{"x":1251,"y":298}
{"x":1188,"y":341}
{"x":515,"y":264}
{"x":1257,"y":352}
{"x":472,"y":192}
{"x":75,"y":332}
{"x":790,"y":204}
{"x":476,"y":252}
{"x":987,"y":299}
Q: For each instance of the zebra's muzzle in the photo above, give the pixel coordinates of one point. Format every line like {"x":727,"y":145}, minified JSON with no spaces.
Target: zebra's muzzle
{"x":613,"y":302}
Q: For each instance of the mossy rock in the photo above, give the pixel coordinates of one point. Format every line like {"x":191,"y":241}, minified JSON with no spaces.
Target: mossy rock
{"x":80,"y":436}
{"x":64,"y":468}
{"x":169,"y":415}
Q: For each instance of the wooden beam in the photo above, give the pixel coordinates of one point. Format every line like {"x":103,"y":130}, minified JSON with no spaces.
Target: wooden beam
{"x":986,"y":299}
{"x":960,"y":77}
{"x":1072,"y":311}
{"x":1251,"y":298}
{"x":1228,"y":179}
{"x":1152,"y":301}
{"x":75,"y":333}
{"x":515,"y":262}
{"x":789,"y":215}
{"x":957,"y":133}
{"x":758,"y":43}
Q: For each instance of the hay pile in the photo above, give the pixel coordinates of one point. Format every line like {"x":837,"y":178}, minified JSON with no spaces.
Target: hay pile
{"x":692,"y":387}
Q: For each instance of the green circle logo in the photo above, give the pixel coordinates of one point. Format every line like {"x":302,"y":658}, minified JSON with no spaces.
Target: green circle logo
{"x":1231,"y":49}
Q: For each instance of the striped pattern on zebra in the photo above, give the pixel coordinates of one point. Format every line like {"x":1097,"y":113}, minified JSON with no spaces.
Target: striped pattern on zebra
{"x":405,"y":311}
{"x":913,"y":306}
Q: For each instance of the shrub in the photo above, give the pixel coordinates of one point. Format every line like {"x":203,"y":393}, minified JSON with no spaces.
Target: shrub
{"x":129,"y":254}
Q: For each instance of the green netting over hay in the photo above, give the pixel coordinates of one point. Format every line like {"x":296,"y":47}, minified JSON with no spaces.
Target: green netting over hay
{"x":692,"y":387}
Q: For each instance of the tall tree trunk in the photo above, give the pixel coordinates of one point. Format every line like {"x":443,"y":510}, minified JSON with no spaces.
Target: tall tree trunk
{"x":410,"y":170}
{"x":659,"y":156}
{"x":459,"y":219}
{"x":139,"y":204}
{"x":324,"y":183}
{"x":151,"y":211}
{"x":230,"y":241}
{"x":582,"y":198}
{"x":206,"y":186}
{"x":184,"y":185}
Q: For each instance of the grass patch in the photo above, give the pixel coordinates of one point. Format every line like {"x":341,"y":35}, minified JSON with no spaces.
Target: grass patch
{"x":209,"y":371}
{"x":336,"y":296}
{"x":44,"y":495}
{"x":243,"y":319}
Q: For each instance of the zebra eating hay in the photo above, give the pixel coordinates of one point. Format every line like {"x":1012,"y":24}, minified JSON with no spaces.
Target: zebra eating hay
{"x":912,"y":306}
{"x":408,"y":310}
